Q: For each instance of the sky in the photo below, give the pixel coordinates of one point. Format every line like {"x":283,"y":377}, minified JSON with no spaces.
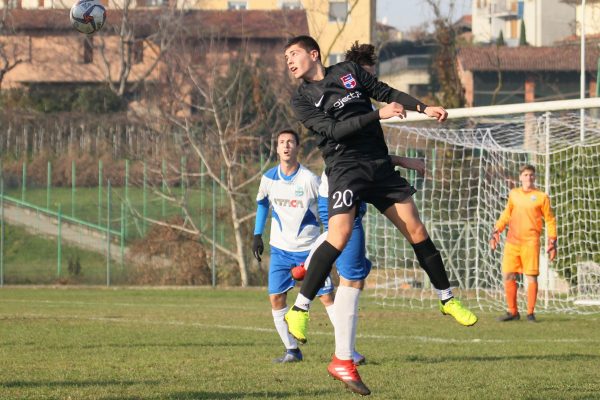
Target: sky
{"x":405,"y":14}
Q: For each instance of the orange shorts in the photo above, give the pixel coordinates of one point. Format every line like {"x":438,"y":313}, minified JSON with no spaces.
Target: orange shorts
{"x":521,"y":259}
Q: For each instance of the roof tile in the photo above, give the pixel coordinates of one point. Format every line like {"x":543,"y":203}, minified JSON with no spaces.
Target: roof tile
{"x":527,"y":58}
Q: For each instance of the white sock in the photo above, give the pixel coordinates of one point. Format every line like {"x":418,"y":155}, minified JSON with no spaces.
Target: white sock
{"x":444,"y":294}
{"x":346,"y":311}
{"x":331,"y":313}
{"x":282,"y":329}
{"x":354,"y":335}
{"x":302,"y":302}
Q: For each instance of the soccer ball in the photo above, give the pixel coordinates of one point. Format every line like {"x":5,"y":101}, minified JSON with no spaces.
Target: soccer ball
{"x":298,"y":272}
{"x":88,"y":16}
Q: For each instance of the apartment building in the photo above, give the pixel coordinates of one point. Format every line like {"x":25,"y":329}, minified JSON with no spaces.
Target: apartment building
{"x":545,"y":21}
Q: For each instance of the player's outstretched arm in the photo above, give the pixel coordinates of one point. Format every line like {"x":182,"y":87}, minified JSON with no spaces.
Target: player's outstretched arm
{"x":322,"y":124}
{"x":415,"y":164}
{"x":380,"y":91}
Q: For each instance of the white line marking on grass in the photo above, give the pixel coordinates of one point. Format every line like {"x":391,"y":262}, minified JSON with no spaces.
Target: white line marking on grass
{"x":426,"y":339}
{"x":93,"y":303}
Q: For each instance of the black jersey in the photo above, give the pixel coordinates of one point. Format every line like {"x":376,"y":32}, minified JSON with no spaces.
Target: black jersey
{"x":338,"y":109}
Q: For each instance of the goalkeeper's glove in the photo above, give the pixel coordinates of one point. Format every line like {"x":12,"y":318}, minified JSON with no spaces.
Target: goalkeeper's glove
{"x":495,"y":239}
{"x":258,"y":247}
{"x":551,"y":250}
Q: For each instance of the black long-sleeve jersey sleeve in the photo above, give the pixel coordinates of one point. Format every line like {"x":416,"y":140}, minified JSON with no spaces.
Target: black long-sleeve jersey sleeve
{"x":339,"y":110}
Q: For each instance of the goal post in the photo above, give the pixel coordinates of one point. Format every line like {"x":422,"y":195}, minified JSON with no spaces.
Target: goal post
{"x":472,"y":163}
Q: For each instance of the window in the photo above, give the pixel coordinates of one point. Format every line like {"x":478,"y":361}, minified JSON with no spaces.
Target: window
{"x":291,"y":5}
{"x":151,"y":3}
{"x":418,"y":61}
{"x":520,"y":9}
{"x":237,"y":5}
{"x":338,"y":11}
{"x":88,"y":50}
{"x":13,"y":4}
{"x":335,"y":58}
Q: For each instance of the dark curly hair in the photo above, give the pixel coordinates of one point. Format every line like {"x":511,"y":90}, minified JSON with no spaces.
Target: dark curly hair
{"x":362,"y":54}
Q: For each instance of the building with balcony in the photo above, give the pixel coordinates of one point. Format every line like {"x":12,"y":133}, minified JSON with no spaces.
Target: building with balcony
{"x":545,"y":21}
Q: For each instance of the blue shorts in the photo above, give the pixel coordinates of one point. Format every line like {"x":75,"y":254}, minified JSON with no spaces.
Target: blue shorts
{"x":280,"y":277}
{"x":353,"y":263}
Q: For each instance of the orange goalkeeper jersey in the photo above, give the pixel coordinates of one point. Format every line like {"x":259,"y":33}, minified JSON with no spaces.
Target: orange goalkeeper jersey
{"x":523,"y":215}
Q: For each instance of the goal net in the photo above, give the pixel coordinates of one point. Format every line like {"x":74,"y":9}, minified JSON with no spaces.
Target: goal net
{"x":472,"y":163}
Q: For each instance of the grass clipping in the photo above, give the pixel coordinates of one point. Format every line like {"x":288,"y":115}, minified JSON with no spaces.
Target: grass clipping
{"x":168,"y":256}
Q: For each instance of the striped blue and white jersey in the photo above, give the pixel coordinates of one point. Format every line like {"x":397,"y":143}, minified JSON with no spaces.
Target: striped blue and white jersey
{"x":293,"y":203}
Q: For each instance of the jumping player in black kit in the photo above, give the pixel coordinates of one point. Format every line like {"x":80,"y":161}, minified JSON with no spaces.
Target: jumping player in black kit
{"x":334,"y":103}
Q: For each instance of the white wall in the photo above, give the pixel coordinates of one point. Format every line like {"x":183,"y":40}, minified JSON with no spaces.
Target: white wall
{"x":557,"y":22}
{"x":546,"y":21}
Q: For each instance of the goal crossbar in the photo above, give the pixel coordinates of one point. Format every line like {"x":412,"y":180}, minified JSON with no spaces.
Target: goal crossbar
{"x":505,"y":109}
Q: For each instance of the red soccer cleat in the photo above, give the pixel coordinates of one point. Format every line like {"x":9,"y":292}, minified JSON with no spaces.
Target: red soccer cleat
{"x":345,"y":371}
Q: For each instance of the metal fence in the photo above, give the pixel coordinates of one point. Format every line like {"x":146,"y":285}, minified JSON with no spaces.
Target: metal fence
{"x":54,"y":233}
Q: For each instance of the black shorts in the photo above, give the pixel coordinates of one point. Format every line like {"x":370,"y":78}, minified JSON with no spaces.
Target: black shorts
{"x":372,"y":181}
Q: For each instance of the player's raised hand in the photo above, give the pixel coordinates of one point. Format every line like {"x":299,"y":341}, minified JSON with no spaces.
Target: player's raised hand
{"x":551,"y":249}
{"x":392,"y":110}
{"x":494,"y":239}
{"x":436,"y":112}
{"x":257,"y":247}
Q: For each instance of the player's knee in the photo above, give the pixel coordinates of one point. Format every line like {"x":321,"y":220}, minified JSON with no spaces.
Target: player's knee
{"x":360,"y":284}
{"x":510,"y":276}
{"x":417,"y":232}
{"x":277,"y":301}
{"x":327,"y":299}
{"x":339,"y":236}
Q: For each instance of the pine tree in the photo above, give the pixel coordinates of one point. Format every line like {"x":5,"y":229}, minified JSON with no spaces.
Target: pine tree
{"x":500,"y":40}
{"x":522,"y":36}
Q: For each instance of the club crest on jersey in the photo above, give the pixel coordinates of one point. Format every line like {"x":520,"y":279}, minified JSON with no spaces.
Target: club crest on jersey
{"x":348,"y":81}
{"x":299,"y":191}
{"x":533,"y":197}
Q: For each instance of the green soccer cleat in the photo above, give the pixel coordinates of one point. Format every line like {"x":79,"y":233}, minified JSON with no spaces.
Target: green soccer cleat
{"x":297,"y":322}
{"x":461,"y":314}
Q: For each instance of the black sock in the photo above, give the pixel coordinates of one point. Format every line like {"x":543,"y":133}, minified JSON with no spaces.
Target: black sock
{"x":431,"y":261}
{"x":318,"y":269}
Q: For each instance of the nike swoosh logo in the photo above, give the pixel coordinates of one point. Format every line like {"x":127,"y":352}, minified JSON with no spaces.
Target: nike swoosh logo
{"x":318,"y":103}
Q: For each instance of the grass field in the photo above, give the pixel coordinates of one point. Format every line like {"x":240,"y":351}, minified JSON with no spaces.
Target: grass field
{"x":86,"y":343}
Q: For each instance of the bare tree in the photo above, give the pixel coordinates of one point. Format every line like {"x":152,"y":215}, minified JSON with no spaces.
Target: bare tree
{"x":141,"y":39}
{"x":225,"y":107}
{"x":11,"y":53}
{"x":444,"y":70}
